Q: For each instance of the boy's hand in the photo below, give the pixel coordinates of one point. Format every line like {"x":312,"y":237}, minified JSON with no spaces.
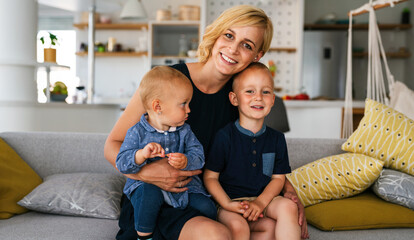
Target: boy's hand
{"x":177,"y":160}
{"x":152,"y":150}
{"x":236,"y":206}
{"x":254,"y":211}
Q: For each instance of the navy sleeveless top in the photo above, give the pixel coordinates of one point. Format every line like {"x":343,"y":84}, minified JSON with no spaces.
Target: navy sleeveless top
{"x":209,"y":112}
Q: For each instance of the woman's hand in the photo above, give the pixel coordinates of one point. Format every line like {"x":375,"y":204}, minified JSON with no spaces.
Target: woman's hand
{"x":177,"y":160}
{"x":164,"y":176}
{"x":301,"y":211}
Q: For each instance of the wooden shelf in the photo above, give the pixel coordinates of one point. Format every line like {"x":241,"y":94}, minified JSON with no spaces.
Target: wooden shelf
{"x":357,"y":115}
{"x":114,"y":26}
{"x":176,"y":23}
{"x":289,"y":50}
{"x":389,"y":54}
{"x":173,"y":57}
{"x":356,"y":26}
{"x":114,"y":54}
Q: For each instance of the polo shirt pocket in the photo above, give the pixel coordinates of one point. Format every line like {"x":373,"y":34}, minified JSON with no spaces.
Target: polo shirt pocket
{"x":268,"y":163}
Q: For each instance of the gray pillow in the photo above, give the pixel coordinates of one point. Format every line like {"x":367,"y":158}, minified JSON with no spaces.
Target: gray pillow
{"x":78,"y":194}
{"x":396,"y":187}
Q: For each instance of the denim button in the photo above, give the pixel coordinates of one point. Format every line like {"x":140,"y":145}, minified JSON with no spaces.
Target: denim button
{"x":254,"y":140}
{"x":254,"y":164}
{"x":254,"y":152}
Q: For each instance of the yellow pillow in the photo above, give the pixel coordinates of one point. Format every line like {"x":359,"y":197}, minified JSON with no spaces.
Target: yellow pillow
{"x":17,"y":180}
{"x":384,"y":134}
{"x":334,"y":177}
{"x":364,"y":211}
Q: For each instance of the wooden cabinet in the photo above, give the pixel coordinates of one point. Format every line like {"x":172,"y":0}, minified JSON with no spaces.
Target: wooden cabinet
{"x":165,"y":38}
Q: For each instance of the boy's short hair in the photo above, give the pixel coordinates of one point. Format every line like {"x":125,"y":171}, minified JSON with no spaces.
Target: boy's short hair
{"x":237,"y":16}
{"x":253,"y":65}
{"x":158,"y":81}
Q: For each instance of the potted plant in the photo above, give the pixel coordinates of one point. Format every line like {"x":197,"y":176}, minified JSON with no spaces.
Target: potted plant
{"x":49,"y":53}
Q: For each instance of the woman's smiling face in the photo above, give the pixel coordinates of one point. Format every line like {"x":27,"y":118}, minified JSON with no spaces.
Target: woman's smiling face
{"x":236,"y":48}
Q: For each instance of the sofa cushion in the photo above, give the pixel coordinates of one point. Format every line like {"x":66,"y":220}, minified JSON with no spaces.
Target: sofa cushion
{"x":334,"y":177}
{"x":364,"y":211}
{"x":78,"y":194}
{"x":395,"y":187}
{"x":16,"y":180}
{"x":44,"y":226}
{"x":402,"y":99}
{"x":385,"y":134}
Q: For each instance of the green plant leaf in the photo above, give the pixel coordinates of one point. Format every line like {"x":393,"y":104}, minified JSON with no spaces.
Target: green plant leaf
{"x":53,"y":38}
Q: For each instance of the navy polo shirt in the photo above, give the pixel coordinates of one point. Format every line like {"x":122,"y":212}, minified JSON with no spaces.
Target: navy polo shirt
{"x":247,"y":161}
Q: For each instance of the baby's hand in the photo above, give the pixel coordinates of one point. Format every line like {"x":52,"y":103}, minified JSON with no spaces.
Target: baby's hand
{"x":236,"y":206}
{"x":152,"y":150}
{"x":177,"y":160}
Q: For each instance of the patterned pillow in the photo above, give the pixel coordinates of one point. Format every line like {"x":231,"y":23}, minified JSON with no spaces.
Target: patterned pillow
{"x":334,"y":177}
{"x":395,"y":187}
{"x":384,"y":134}
{"x":78,"y":194}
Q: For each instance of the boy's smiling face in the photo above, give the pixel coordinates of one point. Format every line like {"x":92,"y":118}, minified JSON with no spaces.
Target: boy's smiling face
{"x":253,"y":93}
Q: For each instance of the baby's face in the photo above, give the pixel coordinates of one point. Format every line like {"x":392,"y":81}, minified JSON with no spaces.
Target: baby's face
{"x":253,"y":93}
{"x":175,"y":105}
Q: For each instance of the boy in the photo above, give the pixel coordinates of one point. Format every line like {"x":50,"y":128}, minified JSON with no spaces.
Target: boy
{"x":162,"y":132}
{"x":246,"y":169}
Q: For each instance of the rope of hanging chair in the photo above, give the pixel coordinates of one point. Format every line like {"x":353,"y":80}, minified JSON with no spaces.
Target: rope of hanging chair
{"x":375,"y":78}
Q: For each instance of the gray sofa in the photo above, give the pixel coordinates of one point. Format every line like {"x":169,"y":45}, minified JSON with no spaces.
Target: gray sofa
{"x":51,"y":153}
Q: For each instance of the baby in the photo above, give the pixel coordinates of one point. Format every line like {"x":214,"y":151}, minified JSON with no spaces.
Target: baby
{"x":162,"y":132}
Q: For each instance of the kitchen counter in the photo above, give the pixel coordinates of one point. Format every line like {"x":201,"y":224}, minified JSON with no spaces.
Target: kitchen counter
{"x":307,"y":119}
{"x":316,"y":118}
{"x":58,"y":116}
{"x":58,"y":104}
{"x":320,"y":103}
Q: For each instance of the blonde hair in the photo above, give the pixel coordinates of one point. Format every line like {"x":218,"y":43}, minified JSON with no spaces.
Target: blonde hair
{"x":241,"y":15}
{"x":158,"y":81}
{"x":253,"y":65}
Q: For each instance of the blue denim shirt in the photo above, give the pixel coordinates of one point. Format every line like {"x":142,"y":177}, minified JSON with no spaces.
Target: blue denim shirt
{"x":180,"y":139}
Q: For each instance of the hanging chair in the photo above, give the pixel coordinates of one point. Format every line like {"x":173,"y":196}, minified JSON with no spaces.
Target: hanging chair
{"x":375,"y":78}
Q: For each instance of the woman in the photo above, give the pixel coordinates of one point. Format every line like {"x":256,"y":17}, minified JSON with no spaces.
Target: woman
{"x":239,"y":36}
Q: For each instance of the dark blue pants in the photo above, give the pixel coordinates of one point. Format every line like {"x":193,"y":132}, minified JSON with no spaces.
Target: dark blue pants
{"x":148,"y":199}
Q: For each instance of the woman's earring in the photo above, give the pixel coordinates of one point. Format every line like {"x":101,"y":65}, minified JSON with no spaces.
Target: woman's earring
{"x":159,"y":113}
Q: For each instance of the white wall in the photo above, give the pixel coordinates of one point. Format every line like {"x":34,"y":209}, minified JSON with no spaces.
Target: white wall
{"x":18,"y":50}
